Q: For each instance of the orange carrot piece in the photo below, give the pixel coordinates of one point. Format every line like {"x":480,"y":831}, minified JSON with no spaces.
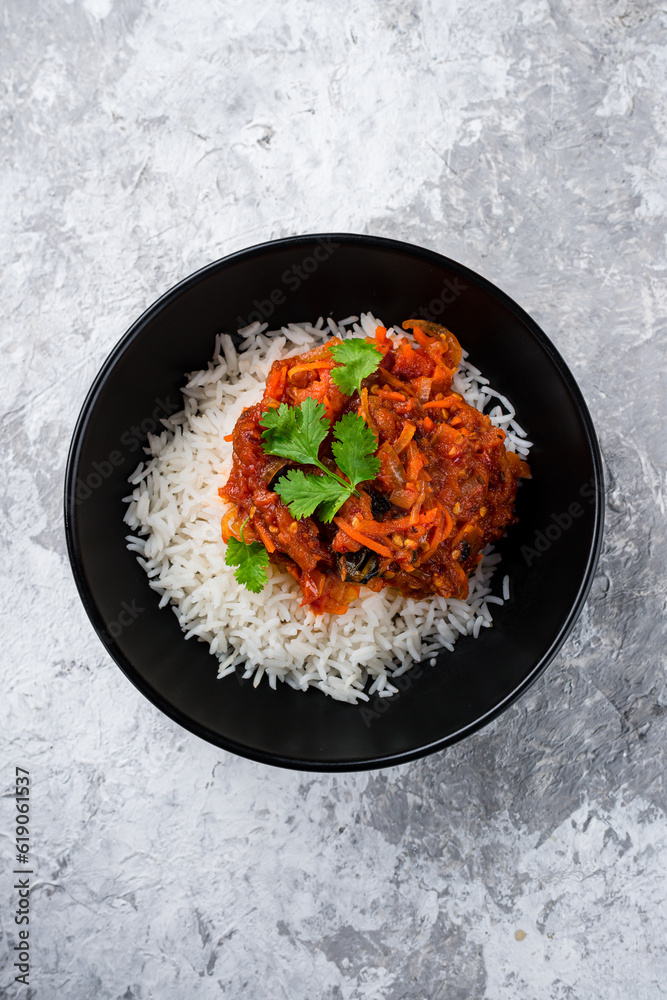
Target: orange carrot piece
{"x":421,"y":338}
{"x":365,"y":413}
{"x":379,"y":528}
{"x":415,"y":461}
{"x":268,"y":544}
{"x":448,"y":402}
{"x":446,"y":341}
{"x":442,"y":531}
{"x":357,"y":536}
{"x":436,"y":538}
{"x":398,"y":397}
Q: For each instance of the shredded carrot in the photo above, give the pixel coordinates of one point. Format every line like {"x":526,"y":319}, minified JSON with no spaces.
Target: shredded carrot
{"x":421,"y":338}
{"x":442,"y":531}
{"x":357,"y":536}
{"x":266,"y":538}
{"x":228,"y":437}
{"x":379,"y":528}
{"x":381,"y":334}
{"x":436,"y":348}
{"x":365,"y":413}
{"x":399,"y":397}
{"x":448,"y":403}
{"x":415,"y":461}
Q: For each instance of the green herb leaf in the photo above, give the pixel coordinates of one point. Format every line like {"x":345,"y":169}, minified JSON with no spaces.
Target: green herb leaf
{"x":328,"y":510}
{"x":359,"y":360}
{"x":354,"y":449}
{"x":252,"y":561}
{"x":295,"y":432}
{"x":304,"y":493}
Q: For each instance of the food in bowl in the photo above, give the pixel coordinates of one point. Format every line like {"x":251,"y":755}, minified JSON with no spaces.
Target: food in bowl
{"x":334,"y":617}
{"x":405,"y":483}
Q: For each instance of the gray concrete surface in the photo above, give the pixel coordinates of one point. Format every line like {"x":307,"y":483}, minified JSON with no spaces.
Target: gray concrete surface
{"x":142,"y":139}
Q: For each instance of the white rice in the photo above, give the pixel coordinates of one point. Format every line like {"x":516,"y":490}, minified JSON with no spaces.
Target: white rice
{"x":175,"y":513}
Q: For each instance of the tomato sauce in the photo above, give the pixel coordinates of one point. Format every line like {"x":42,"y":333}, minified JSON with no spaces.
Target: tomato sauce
{"x":446,"y":486}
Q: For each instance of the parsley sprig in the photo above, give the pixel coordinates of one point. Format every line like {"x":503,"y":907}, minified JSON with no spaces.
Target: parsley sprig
{"x":297,"y":433}
{"x":358,"y":359}
{"x":251,"y":560}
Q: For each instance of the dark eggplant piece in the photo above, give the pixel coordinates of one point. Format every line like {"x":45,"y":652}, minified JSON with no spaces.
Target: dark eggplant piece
{"x":379,"y":504}
{"x":282,"y":469}
{"x":360,"y":567}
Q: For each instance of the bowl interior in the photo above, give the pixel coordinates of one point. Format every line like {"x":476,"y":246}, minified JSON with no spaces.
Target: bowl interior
{"x":550,"y":555}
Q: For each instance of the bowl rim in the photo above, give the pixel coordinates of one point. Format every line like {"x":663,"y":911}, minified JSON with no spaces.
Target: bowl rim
{"x":70,"y":508}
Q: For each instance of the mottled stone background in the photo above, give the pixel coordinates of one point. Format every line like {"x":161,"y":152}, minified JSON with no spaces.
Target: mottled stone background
{"x":142,"y":139}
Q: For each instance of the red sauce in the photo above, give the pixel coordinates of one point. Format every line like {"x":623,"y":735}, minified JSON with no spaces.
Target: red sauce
{"x":445,"y":490}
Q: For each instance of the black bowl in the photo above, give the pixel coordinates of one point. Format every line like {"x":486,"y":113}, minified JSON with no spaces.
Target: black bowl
{"x":550,"y":555}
